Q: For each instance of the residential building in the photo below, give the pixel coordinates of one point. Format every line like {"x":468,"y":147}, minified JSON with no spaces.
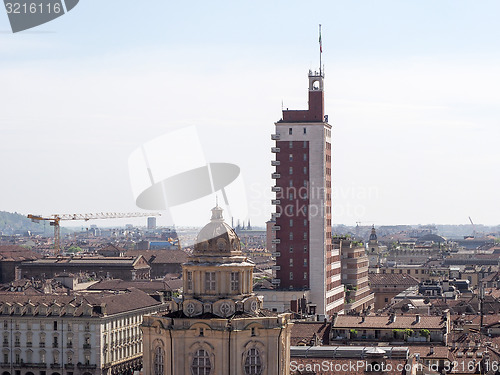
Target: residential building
{"x":386,"y":286}
{"x":358,"y":296}
{"x":125,"y":268}
{"x":79,"y":334}
{"x":305,"y":258}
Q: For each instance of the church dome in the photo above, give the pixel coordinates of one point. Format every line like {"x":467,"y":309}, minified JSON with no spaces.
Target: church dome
{"x":373,"y":235}
{"x":217,"y":238}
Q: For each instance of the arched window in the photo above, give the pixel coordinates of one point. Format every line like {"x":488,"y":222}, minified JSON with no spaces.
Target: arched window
{"x":201,"y":363}
{"x":158,"y":361}
{"x":253,"y":363}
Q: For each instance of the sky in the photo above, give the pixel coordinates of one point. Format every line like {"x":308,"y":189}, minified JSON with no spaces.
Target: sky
{"x":411,"y":90}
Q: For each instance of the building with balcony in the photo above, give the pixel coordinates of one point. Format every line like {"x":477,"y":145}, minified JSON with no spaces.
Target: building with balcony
{"x":358,"y":295}
{"x":303,"y":203}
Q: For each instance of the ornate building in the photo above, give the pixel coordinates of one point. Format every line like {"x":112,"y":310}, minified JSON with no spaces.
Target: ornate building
{"x":220,"y":327}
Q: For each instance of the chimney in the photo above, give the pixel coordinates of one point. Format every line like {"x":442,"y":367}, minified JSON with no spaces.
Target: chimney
{"x":392,"y":318}
{"x":417,"y":318}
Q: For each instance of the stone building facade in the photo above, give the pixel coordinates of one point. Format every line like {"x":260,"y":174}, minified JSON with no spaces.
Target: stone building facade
{"x":81,"y":334}
{"x":220,"y":327}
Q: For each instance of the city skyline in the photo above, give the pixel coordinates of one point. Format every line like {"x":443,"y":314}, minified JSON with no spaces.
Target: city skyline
{"x":410,"y":93}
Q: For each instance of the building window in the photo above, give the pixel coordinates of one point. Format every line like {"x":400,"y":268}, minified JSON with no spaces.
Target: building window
{"x":55,"y":344}
{"x":17,"y":341}
{"x":201,"y":363}
{"x":290,"y":157}
{"x":305,"y":131}
{"x":210,"y":281}
{"x":42,"y":356}
{"x":290,"y":144}
{"x":190,"y":280}
{"x":291,"y":236}
{"x":291,"y":249}
{"x":235,"y":281}
{"x":289,"y":131}
{"x":305,"y":262}
{"x":5,"y":325}
{"x":305,"y":249}
{"x":291,"y":262}
{"x":158,"y":361}
{"x":291,"y":275}
{"x":253,"y":331}
{"x":305,"y":222}
{"x":305,"y":235}
{"x":5,"y":357}
{"x":305,"y":275}
{"x":291,"y":222}
{"x":253,"y":363}
{"x":18,"y":357}
{"x":290,"y":170}
{"x":55,"y":325}
{"x":305,"y":144}
{"x":305,"y":157}
{"x":305,"y":170}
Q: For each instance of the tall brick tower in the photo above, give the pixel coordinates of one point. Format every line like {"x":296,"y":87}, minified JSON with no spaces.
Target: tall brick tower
{"x":305,"y":258}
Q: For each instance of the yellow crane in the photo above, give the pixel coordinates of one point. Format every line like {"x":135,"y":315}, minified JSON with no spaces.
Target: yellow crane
{"x":55,"y":219}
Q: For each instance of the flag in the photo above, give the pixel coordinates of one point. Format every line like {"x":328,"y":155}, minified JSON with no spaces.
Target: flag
{"x":320,"y":43}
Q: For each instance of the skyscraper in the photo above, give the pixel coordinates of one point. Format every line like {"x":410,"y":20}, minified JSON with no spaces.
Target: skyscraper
{"x":305,"y":258}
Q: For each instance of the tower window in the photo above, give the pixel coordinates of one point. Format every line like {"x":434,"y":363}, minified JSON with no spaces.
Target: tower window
{"x":290,"y":157}
{"x":291,"y":236}
{"x":290,"y":131}
{"x":290,"y":144}
{"x":305,"y":144}
{"x":158,"y":361}
{"x":305,"y":262}
{"x":253,"y":331}
{"x":290,"y":171}
{"x":305,"y":249}
{"x":253,"y":362}
{"x":210,"y":281}
{"x":291,"y":222}
{"x":305,"y":157}
{"x":291,"y":249}
{"x":235,"y":281}
{"x":305,"y":275}
{"x":201,"y":363}
{"x":305,"y":131}
{"x":291,"y":275}
{"x":291,"y":262}
{"x":290,"y":183}
{"x":305,"y":170}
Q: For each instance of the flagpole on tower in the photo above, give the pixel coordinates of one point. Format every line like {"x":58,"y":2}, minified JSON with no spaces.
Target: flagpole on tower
{"x":320,"y":49}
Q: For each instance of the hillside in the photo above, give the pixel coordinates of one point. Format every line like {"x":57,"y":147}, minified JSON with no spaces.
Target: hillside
{"x":12,"y":223}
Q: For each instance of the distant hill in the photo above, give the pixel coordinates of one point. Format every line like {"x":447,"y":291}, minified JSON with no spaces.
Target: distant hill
{"x":14,"y":223}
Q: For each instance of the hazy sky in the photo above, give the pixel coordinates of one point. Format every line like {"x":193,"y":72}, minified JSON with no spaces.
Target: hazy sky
{"x":412,"y":92}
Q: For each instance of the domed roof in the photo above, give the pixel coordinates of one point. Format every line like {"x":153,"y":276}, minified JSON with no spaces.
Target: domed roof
{"x":373,"y":235}
{"x":217,"y":238}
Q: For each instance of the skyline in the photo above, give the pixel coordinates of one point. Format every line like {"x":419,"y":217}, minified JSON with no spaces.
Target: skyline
{"x":409,"y":90}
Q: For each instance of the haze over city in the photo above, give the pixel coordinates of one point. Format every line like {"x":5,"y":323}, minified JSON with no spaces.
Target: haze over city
{"x":410,"y":89}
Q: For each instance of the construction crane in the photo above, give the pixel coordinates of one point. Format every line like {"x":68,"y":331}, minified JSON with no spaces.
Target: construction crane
{"x":473,"y":228}
{"x":55,"y":219}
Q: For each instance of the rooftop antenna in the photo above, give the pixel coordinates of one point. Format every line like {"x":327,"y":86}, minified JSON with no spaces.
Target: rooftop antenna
{"x":320,"y":49}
